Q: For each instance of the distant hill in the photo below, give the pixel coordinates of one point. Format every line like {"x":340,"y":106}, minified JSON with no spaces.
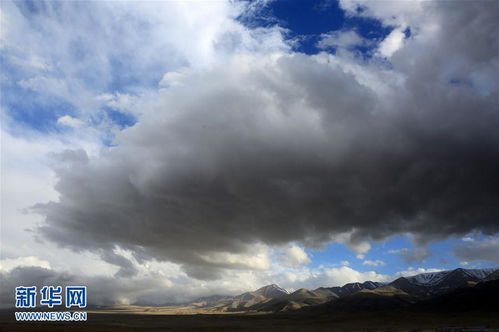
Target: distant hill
{"x":208,"y":301}
{"x":242,"y":302}
{"x":429,"y":284}
{"x":403,"y":292}
{"x":492,"y":276}
{"x":305,"y":297}
{"x":483,"y":297}
{"x":296,"y":300}
{"x":353,"y":287}
{"x":447,"y":290}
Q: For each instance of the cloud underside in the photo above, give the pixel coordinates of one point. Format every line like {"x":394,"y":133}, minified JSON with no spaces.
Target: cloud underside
{"x":157,"y":289}
{"x":296,"y":148}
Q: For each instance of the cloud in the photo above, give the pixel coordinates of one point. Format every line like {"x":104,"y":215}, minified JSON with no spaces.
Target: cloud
{"x":322,"y":276}
{"x":343,"y":275}
{"x":297,"y":256}
{"x":340,"y":39}
{"x":413,"y":271}
{"x":126,"y":266}
{"x":69,"y":121}
{"x":283,"y":148}
{"x":468,"y":239}
{"x":7,"y":264}
{"x":27,"y":178}
{"x":400,"y":13}
{"x":486,"y":250}
{"x":412,"y":255}
{"x":91,"y":52}
{"x":391,"y":43}
{"x":91,"y":55}
{"x":255,"y":146}
{"x":101,"y":290}
{"x":374,"y":263}
{"x":169,"y":285}
{"x":312,"y":278}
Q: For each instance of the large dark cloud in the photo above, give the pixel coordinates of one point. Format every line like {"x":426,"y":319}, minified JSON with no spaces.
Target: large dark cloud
{"x":296,"y":149}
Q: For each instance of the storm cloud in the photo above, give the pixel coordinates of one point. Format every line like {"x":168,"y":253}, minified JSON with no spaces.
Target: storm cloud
{"x":296,"y":148}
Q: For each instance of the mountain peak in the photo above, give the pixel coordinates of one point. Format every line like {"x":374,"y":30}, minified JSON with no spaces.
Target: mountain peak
{"x":271,"y":291}
{"x":304,"y":292}
{"x":435,"y":278}
{"x":401,"y":291}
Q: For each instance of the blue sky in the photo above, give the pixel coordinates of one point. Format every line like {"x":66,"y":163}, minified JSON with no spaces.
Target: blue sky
{"x":306,"y":21}
{"x":101,"y":96}
{"x":441,"y":256}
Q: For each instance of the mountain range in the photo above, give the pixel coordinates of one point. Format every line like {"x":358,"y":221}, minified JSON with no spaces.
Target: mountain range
{"x":421,"y":291}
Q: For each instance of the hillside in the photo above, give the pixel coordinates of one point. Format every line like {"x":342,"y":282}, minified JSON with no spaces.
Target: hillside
{"x":357,"y":297}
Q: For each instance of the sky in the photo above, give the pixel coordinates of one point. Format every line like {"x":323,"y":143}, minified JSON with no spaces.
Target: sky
{"x":159,"y":151}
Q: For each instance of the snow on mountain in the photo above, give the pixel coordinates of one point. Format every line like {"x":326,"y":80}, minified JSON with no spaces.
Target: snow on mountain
{"x":481,"y":273}
{"x":434,"y":278}
{"x":428,"y":279}
{"x":274,"y":298}
{"x":364,"y":285}
{"x":351,"y":288}
{"x":372,"y":284}
{"x":271,"y":291}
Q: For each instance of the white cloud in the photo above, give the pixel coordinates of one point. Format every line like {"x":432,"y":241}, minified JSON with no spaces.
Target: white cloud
{"x":46,"y":85}
{"x":343,"y":275}
{"x":359,"y":246}
{"x":127,"y":103}
{"x":297,"y":256}
{"x":413,"y":271}
{"x":27,"y":178}
{"x":374,"y":263}
{"x":396,"y":13}
{"x":159,"y":283}
{"x":345,"y":263}
{"x":257,"y":258}
{"x":68,"y":120}
{"x":88,"y":56}
{"x":32,"y":62}
{"x":340,"y":39}
{"x":8,"y":264}
{"x":322,"y":276}
{"x":391,"y":43}
{"x":276,"y":85}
